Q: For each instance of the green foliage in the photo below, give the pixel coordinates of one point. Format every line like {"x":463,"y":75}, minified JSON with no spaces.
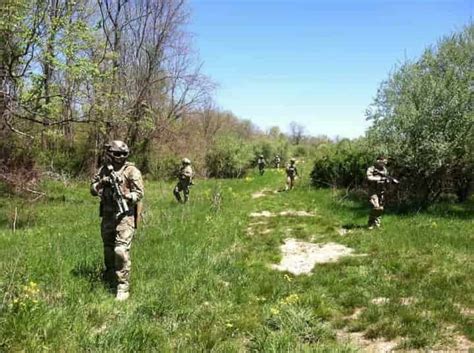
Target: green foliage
{"x":423,"y":117}
{"x":162,"y":167}
{"x":342,"y":164}
{"x":270,"y":148}
{"x":229,"y":157}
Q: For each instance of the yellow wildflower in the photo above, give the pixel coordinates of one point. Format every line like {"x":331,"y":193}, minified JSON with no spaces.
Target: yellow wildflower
{"x":274,"y":311}
{"x":291,"y":299}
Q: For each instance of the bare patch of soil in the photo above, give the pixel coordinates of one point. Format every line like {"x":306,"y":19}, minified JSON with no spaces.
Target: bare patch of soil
{"x":258,"y":194}
{"x":366,"y":345}
{"x":257,"y":223}
{"x":265,"y":214}
{"x":296,"y":213}
{"x":403,"y":301}
{"x":263,"y":193}
{"x":288,"y":213}
{"x":343,"y":231}
{"x":355,"y":315}
{"x":465,"y":311}
{"x":463,"y":344}
{"x":380,"y":301}
{"x":300,"y":257}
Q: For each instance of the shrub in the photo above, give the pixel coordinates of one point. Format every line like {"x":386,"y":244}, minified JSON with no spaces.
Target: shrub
{"x":343,"y":164}
{"x":229,"y":157}
{"x":270,"y":148}
{"x":423,"y":115}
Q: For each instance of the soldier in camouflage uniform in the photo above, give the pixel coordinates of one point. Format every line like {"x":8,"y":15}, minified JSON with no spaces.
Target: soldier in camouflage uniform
{"x":291,"y":174}
{"x":378,"y":179}
{"x":261,"y":164}
{"x":277,"y":161}
{"x":118,"y":220}
{"x":185,"y":180}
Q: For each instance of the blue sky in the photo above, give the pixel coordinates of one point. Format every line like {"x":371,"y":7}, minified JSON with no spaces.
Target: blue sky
{"x":318,"y":63}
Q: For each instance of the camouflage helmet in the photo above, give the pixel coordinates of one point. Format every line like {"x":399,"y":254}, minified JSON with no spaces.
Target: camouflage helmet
{"x":293,"y":160}
{"x":117,"y":151}
{"x":186,"y":161}
{"x":261,"y":156}
{"x":381,"y":159}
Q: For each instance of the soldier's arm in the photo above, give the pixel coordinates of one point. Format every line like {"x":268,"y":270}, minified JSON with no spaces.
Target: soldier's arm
{"x":136,"y":185}
{"x":95,"y":187}
{"x":373,"y":175}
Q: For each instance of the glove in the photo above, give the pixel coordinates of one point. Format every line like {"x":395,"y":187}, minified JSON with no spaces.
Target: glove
{"x":130,"y":197}
{"x":105,"y":181}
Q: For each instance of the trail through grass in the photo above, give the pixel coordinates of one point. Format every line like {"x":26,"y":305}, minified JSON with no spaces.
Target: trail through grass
{"x":202,"y":277}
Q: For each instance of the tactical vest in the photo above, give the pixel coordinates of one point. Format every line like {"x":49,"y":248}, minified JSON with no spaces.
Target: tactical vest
{"x":107,"y":204}
{"x":291,"y":171}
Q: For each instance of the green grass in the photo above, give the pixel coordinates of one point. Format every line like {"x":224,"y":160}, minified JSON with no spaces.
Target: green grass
{"x":200,"y":282}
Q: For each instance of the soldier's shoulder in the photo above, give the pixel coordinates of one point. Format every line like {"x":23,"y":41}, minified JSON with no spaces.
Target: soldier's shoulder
{"x":101,"y":170}
{"x":131,"y":168}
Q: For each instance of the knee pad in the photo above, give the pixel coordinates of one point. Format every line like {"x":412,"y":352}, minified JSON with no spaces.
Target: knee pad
{"x":121,"y":251}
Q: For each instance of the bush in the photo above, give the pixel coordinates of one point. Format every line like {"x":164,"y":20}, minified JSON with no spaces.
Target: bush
{"x":18,"y":170}
{"x":423,"y":115}
{"x":229,"y":157}
{"x":270,"y":148}
{"x":343,"y":164}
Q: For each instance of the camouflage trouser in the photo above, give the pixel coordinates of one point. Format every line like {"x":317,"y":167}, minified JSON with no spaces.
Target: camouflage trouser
{"x":377,"y":203}
{"x":290,"y":182}
{"x":117,"y":237}
{"x":183,"y":185}
{"x":261,"y":169}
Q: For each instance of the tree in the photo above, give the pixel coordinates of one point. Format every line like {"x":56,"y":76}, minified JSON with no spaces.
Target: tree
{"x":296,"y":132}
{"x":423,"y":117}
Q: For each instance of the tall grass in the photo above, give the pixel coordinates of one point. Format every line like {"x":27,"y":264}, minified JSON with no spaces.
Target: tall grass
{"x":200,"y":282}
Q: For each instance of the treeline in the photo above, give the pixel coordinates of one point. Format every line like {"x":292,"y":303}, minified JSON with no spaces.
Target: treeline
{"x":75,"y":74}
{"x":423,"y":119}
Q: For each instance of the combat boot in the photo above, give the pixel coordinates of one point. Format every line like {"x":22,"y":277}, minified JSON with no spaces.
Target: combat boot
{"x":122,"y":295}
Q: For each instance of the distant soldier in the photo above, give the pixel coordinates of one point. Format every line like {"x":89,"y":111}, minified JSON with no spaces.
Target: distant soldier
{"x":291,"y":174}
{"x":378,"y":179}
{"x":185,"y":180}
{"x":261,"y":164}
{"x":277,"y":161}
{"x":119,"y":185}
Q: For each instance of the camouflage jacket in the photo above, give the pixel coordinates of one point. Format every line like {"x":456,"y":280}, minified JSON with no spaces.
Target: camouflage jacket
{"x":376,"y":178}
{"x":291,"y":170}
{"x":131,"y":185}
{"x":261,"y":162}
{"x":186,"y":173}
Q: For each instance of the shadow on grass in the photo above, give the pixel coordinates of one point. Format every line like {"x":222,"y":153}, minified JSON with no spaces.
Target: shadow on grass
{"x":358,"y":204}
{"x":95,"y":275}
{"x":351,"y":226}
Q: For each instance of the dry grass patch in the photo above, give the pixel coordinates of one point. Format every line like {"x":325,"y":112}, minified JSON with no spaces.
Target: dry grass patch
{"x":263,"y":193}
{"x":287,"y":213}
